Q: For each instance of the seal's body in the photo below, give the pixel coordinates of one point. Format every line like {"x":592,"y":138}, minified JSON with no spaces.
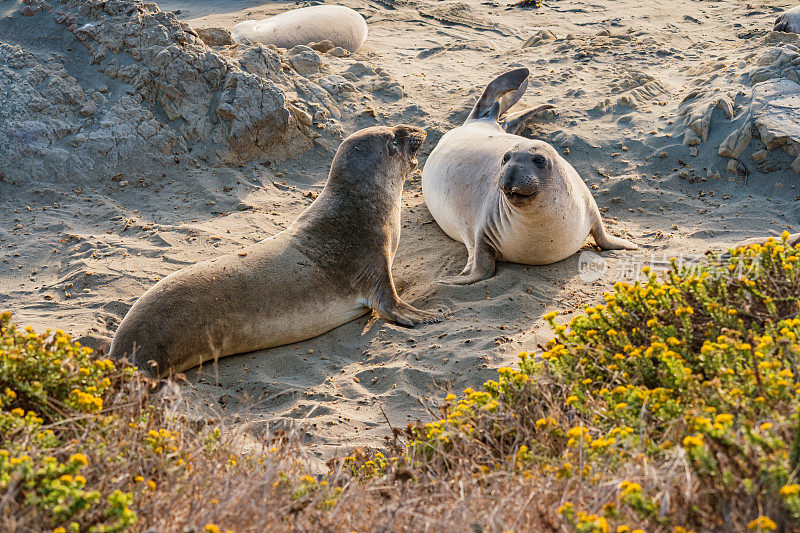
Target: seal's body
{"x":507,"y":197}
{"x":340,"y":25}
{"x":789,"y":21}
{"x":331,"y":265}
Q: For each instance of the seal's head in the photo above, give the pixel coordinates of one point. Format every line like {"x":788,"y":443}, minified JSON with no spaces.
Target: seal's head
{"x":524,"y":170}
{"x":378,"y":150}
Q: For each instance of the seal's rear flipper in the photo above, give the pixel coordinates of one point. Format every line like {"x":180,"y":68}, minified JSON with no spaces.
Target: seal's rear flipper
{"x":516,"y":123}
{"x":505,"y":90}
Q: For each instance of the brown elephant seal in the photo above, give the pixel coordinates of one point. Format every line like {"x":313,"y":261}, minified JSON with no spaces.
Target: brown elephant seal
{"x":788,"y":21}
{"x":507,"y":197}
{"x":342,"y":26}
{"x":331,"y":265}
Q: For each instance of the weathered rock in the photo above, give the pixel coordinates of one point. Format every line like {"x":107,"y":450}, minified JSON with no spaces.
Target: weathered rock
{"x":304,"y":60}
{"x":215,"y":36}
{"x":178,"y":93}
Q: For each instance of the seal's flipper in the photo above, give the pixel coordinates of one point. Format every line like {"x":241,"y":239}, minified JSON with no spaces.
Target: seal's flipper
{"x":506,"y":90}
{"x":516,"y":122}
{"x":387,"y":303}
{"x":481,"y":265}
{"x":603,"y":238}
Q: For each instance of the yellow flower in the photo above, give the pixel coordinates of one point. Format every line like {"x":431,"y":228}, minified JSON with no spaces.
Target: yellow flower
{"x":762,"y":523}
{"x":211,"y":528}
{"x":766,"y":426}
{"x":18,"y":412}
{"x":627,"y":487}
{"x":723,"y":418}
{"x":79,"y":458}
{"x":690,"y":441}
{"x":59,"y":530}
{"x":566,"y":507}
{"x":623,"y":529}
{"x":789,"y":490}
{"x":571,"y":399}
{"x":550,"y":316}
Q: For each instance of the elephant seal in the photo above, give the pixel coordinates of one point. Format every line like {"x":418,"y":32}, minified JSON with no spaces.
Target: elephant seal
{"x":340,"y":25}
{"x":330,"y":266}
{"x":789,"y":21}
{"x":507,"y":197}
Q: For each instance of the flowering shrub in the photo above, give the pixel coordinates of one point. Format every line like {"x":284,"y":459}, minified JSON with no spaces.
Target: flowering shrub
{"x":699,"y":365}
{"x":83,"y":448}
{"x":672,"y":406}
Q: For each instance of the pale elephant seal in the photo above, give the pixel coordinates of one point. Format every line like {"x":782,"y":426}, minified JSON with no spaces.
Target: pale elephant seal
{"x":507,"y":197}
{"x":789,"y":21}
{"x":340,"y":25}
{"x":331,"y":265}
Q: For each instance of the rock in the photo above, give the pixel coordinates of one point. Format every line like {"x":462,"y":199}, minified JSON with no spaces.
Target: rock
{"x":357,"y":71}
{"x":304,"y":60}
{"x":29,"y":11}
{"x":776,"y":109}
{"x":690,"y":138}
{"x":338,"y":52}
{"x":322,"y":46}
{"x":796,"y":165}
{"x":541,"y":35}
{"x":760,"y":155}
{"x":256,"y":111}
{"x":178,"y":92}
{"x":215,"y":36}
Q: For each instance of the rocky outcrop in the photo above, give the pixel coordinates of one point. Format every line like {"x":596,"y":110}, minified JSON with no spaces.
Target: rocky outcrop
{"x":770,"y":111}
{"x":136,"y":89}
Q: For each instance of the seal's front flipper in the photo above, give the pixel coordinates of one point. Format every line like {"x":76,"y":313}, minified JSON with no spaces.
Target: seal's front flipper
{"x":604,"y":239}
{"x":516,"y":122}
{"x":506,"y":90}
{"x":385,"y":301}
{"x":481,"y":266}
{"x":406,"y":315}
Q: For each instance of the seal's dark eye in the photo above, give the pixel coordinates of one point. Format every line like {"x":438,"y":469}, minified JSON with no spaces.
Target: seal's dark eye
{"x":539,"y":161}
{"x":506,"y":157}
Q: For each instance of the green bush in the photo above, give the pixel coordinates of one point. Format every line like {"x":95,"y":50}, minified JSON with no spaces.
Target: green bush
{"x":698,"y":366}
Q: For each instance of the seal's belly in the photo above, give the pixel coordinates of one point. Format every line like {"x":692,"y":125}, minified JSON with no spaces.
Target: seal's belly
{"x":544,"y":242}
{"x":277,"y":326}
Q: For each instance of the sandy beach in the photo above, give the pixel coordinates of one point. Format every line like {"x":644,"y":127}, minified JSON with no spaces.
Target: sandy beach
{"x":627,"y":79}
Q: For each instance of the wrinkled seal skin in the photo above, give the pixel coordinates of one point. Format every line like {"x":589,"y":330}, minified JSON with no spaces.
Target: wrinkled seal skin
{"x":340,"y":25}
{"x":789,"y":21}
{"x":507,"y":197}
{"x":331,"y":265}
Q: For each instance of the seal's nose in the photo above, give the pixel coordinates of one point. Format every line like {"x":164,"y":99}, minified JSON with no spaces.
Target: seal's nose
{"x":410,"y":137}
{"x":516,"y":183}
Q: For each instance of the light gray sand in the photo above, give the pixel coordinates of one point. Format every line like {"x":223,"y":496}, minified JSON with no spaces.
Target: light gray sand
{"x":77,"y":260}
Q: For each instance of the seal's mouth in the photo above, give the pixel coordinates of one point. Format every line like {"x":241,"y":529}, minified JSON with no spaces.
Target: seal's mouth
{"x":412,"y":138}
{"x":517,"y":196}
{"x":414,"y":144}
